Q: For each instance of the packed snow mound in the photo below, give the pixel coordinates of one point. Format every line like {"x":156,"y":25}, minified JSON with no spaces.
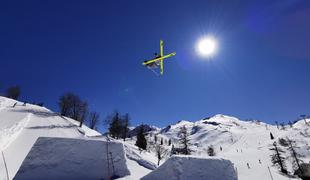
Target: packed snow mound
{"x":64,"y":158}
{"x":133,"y":153}
{"x":22,"y":124}
{"x":190,"y":167}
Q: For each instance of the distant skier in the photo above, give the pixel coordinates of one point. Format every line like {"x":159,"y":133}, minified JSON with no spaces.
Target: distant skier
{"x":260,"y":162}
{"x":248,"y":165}
{"x":221,"y":148}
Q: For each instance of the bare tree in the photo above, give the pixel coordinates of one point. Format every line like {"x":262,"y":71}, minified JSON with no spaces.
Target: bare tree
{"x":13,"y":92}
{"x":125,"y":126}
{"x":277,"y":124}
{"x":72,"y":106}
{"x":282,"y":126}
{"x":93,"y":120}
{"x":161,"y":152}
{"x":66,"y":103}
{"x":82,"y":112}
{"x":294,"y":154}
{"x":290,"y":123}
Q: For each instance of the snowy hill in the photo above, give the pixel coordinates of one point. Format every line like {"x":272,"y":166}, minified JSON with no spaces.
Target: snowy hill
{"x":21,"y":126}
{"x":241,"y":142}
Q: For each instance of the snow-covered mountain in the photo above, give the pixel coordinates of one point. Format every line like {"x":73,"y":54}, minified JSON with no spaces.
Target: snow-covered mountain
{"x":241,"y":142}
{"x":146,"y":128}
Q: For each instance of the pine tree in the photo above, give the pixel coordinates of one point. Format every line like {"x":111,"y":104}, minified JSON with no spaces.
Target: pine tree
{"x":271,"y":136}
{"x":169,"y":142}
{"x":277,"y":158}
{"x":115,"y":128}
{"x":141,"y":141}
{"x":211,"y":151}
{"x":161,"y":141}
{"x":184,"y":140}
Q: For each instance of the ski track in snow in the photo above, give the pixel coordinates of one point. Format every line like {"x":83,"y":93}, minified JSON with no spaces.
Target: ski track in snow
{"x":9,"y":134}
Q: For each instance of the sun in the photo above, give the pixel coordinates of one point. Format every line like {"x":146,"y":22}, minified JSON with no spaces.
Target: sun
{"x":206,"y":46}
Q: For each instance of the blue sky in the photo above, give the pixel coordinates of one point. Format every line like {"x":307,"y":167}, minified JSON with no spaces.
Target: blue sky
{"x":95,"y":49}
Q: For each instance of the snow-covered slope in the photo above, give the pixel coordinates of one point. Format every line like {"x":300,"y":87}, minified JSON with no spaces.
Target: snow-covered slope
{"x":242,"y":142}
{"x":22,"y":125}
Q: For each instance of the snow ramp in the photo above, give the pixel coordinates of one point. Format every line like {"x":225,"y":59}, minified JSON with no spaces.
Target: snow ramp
{"x":64,"y":158}
{"x":190,"y":168}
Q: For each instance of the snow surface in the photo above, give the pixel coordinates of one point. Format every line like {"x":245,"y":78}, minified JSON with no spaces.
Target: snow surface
{"x":190,"y":167}
{"x":21,"y":126}
{"x":63,"y":158}
{"x":242,"y":142}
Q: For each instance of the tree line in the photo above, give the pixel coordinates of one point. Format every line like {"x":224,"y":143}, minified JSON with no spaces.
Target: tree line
{"x":13,"y":92}
{"x":72,"y":106}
